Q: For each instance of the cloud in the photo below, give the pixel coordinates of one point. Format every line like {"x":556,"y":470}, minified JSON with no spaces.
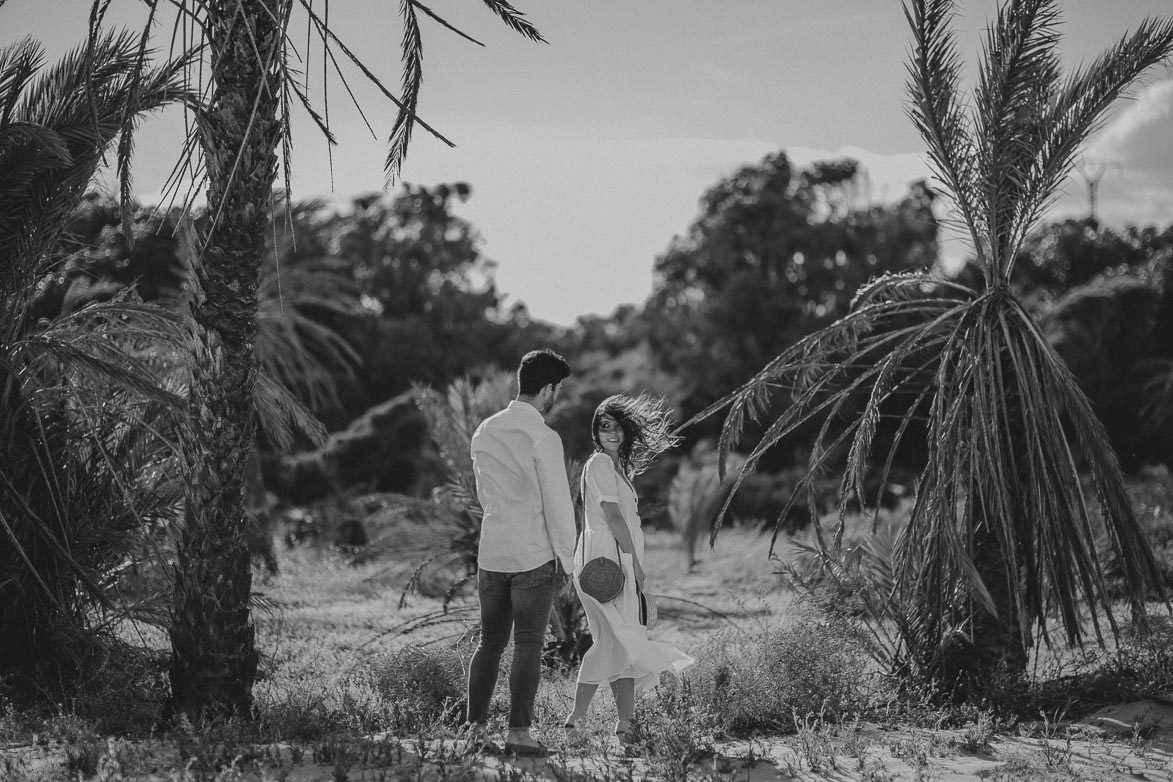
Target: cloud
{"x":1133,"y":159}
{"x":888,"y":174}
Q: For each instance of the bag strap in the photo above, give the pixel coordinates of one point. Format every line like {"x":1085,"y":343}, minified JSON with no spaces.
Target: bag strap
{"x":619,"y":558}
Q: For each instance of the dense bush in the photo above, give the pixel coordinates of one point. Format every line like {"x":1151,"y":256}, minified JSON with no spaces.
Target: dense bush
{"x":418,"y":686}
{"x":1107,"y":332}
{"x":815,"y":664}
{"x":384,"y":449}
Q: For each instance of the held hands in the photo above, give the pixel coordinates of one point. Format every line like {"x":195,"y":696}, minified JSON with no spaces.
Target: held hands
{"x":563,"y":583}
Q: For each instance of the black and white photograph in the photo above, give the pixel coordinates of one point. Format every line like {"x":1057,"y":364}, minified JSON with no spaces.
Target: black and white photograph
{"x":667,"y":390}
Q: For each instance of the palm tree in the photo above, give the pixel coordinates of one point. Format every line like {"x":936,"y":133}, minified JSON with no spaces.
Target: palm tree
{"x":79,"y":398}
{"x":1001,"y":533}
{"x":244,"y":119}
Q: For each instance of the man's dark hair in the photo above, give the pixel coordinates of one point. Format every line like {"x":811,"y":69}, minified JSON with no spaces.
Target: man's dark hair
{"x":540,"y":368}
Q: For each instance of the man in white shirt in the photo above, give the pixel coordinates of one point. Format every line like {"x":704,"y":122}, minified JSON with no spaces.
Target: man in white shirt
{"x":527,"y":543}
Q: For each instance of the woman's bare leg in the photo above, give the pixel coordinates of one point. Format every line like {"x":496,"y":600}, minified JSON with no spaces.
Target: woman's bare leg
{"x":624,"y":692}
{"x":583,"y":694}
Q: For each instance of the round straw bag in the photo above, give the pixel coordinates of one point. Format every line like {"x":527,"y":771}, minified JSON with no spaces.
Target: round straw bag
{"x":602,"y":579}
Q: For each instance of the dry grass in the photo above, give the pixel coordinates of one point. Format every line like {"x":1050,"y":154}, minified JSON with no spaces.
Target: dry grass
{"x":778,"y":690}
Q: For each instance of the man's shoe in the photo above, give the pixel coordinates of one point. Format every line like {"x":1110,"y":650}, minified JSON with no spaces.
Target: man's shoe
{"x":526,"y":750}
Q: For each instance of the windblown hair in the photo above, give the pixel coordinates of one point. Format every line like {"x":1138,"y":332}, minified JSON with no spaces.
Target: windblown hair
{"x":540,"y":368}
{"x":647,"y":427}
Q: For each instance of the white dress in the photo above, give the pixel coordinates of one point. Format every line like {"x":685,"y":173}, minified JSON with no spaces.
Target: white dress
{"x":621,"y":648}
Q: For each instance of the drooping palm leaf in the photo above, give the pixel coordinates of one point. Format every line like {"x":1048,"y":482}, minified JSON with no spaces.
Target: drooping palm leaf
{"x":294,"y":344}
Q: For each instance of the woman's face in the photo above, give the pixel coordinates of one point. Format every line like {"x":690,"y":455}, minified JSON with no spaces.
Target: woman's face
{"x":610,"y":434}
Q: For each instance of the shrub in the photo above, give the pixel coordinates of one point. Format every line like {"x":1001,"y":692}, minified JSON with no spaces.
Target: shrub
{"x":418,"y":686}
{"x":814,"y":665}
{"x":677,"y":727}
{"x":1141,"y":664}
{"x":384,"y":449}
{"x":94,"y":475}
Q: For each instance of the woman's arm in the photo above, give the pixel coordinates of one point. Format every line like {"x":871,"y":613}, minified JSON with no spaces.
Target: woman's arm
{"x":622,"y":534}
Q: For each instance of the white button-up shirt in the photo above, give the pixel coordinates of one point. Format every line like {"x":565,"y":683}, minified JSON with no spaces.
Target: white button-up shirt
{"x":523,"y":489}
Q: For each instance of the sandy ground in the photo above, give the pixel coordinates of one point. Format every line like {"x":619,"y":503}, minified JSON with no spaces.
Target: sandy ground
{"x":1125,"y":742}
{"x":734,"y":585}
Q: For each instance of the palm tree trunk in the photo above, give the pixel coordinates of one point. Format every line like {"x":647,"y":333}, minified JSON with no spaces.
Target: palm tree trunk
{"x":999,"y":645}
{"x":214,"y":657}
{"x":997,"y":648}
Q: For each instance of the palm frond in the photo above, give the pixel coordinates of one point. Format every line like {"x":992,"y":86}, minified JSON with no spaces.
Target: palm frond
{"x":935,"y":108}
{"x":80,"y":103}
{"x":294,"y":345}
{"x":328,"y":36}
{"x":412,"y":49}
{"x":515,"y":19}
{"x":1079,"y":108}
{"x":1004,"y":166}
{"x":282,"y":416}
{"x":112,"y":341}
{"x":85,"y":460}
{"x":1018,"y":80}
{"x":444,"y":23}
{"x":1157,"y":411}
{"x":129,"y":122}
{"x":19,"y":62}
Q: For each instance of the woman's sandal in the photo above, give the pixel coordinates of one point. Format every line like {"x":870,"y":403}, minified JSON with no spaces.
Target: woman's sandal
{"x":574,"y":732}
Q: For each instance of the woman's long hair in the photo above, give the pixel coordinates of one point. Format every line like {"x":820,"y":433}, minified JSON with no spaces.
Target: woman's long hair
{"x":647,"y":428}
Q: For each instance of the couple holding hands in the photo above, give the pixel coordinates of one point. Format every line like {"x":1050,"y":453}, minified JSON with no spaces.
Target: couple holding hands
{"x":528,"y":546}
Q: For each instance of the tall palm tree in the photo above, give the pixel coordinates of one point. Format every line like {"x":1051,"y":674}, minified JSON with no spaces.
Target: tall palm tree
{"x":251,"y":84}
{"x":76,"y":390}
{"x":1001,"y":533}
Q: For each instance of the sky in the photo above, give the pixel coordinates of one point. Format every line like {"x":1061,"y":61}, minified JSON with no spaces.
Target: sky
{"x":587,"y":154}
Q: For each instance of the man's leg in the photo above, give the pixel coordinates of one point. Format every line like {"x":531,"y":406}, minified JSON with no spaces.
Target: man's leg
{"x":496,"y":623}
{"x":532,"y":597}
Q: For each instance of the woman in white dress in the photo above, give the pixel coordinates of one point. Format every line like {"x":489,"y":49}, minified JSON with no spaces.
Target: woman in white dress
{"x":628,"y":433}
